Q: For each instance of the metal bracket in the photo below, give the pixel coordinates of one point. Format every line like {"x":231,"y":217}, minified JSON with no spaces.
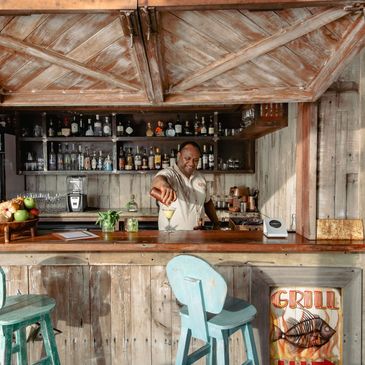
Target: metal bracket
{"x":150,"y":17}
{"x":129,"y":20}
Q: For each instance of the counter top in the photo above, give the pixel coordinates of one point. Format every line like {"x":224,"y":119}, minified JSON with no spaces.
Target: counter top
{"x":181,"y":241}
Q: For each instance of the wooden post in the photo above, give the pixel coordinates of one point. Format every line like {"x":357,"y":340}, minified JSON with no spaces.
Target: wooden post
{"x":362,"y":136}
{"x":306,"y":170}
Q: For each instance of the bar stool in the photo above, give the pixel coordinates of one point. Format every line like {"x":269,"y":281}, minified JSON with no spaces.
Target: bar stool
{"x":16,"y":313}
{"x":208,"y":313}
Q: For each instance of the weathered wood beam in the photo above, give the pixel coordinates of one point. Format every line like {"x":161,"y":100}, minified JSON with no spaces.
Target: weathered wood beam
{"x":352,"y":42}
{"x":257,"y":49}
{"x":250,"y":4}
{"x":62,"y":61}
{"x":306,"y":170}
{"x":131,"y":29}
{"x":361,"y":132}
{"x":44,"y":6}
{"x":152,"y":42}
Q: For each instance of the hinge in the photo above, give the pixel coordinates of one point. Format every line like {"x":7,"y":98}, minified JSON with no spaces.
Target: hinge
{"x":129,"y":20}
{"x":149,"y":14}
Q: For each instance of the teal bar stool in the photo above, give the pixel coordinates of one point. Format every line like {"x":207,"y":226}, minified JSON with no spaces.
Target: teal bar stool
{"x":208,"y":314}
{"x":16,"y":313}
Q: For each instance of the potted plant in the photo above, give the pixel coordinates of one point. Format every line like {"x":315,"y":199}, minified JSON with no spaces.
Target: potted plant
{"x":107,"y":220}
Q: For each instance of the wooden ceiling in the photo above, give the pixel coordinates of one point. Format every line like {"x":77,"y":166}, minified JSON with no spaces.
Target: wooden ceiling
{"x":159,"y":53}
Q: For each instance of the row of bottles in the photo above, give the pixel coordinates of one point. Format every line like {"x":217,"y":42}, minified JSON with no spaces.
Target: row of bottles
{"x":77,"y":159}
{"x":140,"y":159}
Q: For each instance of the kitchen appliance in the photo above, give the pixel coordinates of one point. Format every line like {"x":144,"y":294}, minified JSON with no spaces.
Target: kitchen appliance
{"x":274,"y":228}
{"x":76,"y":193}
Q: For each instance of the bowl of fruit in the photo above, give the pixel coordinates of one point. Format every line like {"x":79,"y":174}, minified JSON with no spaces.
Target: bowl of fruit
{"x":18,"y":215}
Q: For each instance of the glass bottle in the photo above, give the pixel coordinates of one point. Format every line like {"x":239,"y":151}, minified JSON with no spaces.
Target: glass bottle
{"x":211,"y":126}
{"x":100,"y":163}
{"x":66,"y":158}
{"x":51,"y":131}
{"x":120,"y":129}
{"x":108,"y":164}
{"x":129,"y":130}
{"x":87,"y":160}
{"x":81,"y":126}
{"x":196,"y":125}
{"x":94,"y":162}
{"x":149,"y":130}
{"x":170,"y":131}
{"x":203,"y":128}
{"x":98,"y":131}
{"x":173,"y":158}
{"x":151,"y":159}
{"x":60,"y":165}
{"x":129,"y":160}
{"x":52,"y":159}
{"x":80,"y":159}
{"x":178,"y":127}
{"x":165,"y":161}
{"x":121,"y":159}
{"x":73,"y":155}
{"x":74,"y":127}
{"x":205,"y":158}
{"x":107,"y":130}
{"x":66,"y":128}
{"x":211,"y":158}
{"x":132,"y":206}
{"x":144,"y":159}
{"x":89,"y":131}
{"x":159,"y":130}
{"x":137,"y":160}
{"x":157,"y":158}
{"x":187,"y":129}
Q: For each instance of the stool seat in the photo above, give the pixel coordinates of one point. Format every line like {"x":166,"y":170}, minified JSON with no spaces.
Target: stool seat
{"x":25,"y":307}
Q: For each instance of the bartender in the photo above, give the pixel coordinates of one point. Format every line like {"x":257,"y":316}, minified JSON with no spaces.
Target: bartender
{"x":185,"y":189}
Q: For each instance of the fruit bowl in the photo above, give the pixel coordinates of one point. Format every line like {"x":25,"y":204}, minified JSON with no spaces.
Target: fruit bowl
{"x":15,"y":227}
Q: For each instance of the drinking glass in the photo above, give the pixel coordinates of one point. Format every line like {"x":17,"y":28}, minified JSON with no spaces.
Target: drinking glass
{"x":169,"y":211}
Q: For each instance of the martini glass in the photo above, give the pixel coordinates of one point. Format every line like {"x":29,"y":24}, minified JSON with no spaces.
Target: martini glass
{"x":168,"y":212}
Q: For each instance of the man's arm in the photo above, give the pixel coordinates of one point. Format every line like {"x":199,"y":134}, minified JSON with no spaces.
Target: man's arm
{"x":168,"y":194}
{"x":211,"y":213}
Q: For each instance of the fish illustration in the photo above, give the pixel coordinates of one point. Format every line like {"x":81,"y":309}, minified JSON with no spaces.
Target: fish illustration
{"x":310,"y":331}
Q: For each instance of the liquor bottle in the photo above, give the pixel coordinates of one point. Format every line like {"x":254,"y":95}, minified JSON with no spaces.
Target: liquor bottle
{"x":100,"y":163}
{"x":98,"y":130}
{"x":80,"y":159}
{"x":132,"y":206}
{"x":211,"y":158}
{"x":173,"y":158}
{"x":149,"y":130}
{"x":108,"y":164}
{"x":187,"y":129}
{"x":196,"y":125}
{"x":159,"y":130}
{"x":151,"y":159}
{"x":120,"y":129}
{"x":205,"y":158}
{"x":59,"y":128}
{"x":74,"y":127}
{"x":203,"y":128}
{"x":51,"y":131}
{"x":129,"y":130}
{"x":211,"y":126}
{"x":178,"y":127}
{"x":129,"y":160}
{"x":52,"y":159}
{"x":89,"y":131}
{"x":137,"y":160}
{"x":121,"y":159}
{"x":200,"y":163}
{"x":157,"y":159}
{"x":170,"y":131}
{"x":165,"y":161}
{"x":87,"y":160}
{"x":60,"y":165}
{"x":94,"y":161}
{"x":81,"y":126}
{"x":73,"y":155}
{"x":107,"y":130}
{"x":66,"y":128}
{"x":66,"y":158}
{"x":144,"y":159}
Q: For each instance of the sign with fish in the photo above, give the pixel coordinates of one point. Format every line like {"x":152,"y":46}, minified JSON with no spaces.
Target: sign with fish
{"x":306,"y":326}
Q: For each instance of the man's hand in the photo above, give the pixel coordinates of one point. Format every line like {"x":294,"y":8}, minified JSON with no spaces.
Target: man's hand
{"x":168,"y":195}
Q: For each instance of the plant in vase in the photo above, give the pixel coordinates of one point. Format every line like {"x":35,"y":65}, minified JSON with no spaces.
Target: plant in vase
{"x":107,"y":220}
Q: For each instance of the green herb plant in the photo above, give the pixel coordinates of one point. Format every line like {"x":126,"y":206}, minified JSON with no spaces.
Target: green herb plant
{"x":107,"y":220}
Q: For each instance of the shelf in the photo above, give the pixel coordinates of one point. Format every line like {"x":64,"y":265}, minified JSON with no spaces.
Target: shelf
{"x":165,"y":139}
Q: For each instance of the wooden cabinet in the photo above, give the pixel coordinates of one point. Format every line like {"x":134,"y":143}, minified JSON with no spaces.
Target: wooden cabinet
{"x":232,"y":145}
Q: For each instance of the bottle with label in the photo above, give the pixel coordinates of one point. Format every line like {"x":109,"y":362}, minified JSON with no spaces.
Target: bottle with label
{"x":107,"y":129}
{"x":196,"y":126}
{"x":100,"y":163}
{"x":121,"y":159}
{"x":87,"y":160}
{"x":173,"y":158}
{"x":51,"y":130}
{"x":129,"y":160}
{"x":81,"y":126}
{"x":129,"y":129}
{"x":132,"y":206}
{"x":211,"y":158}
{"x":137,"y":160}
{"x":160,"y":130}
{"x":211,"y":130}
{"x":73,"y":155}
{"x":66,"y":158}
{"x":89,"y":131}
{"x":60,"y":165}
{"x":170,"y":131}
{"x":165,"y":161}
{"x":52,"y":159}
{"x":120,"y":129}
{"x":203,"y":128}
{"x":144,"y":159}
{"x":74,"y":127}
{"x":151,"y":159}
{"x":108,"y":164}
{"x":59,"y":128}
{"x":98,"y":130}
{"x":149,"y":130}
{"x":80,"y":159}
{"x":178,"y":127}
{"x":205,"y":158}
{"x":187,"y":129}
{"x":66,"y":127}
{"x":94,"y":162}
{"x":157,"y":159}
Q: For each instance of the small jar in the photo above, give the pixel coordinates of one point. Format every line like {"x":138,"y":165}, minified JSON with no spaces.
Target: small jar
{"x":131,"y":225}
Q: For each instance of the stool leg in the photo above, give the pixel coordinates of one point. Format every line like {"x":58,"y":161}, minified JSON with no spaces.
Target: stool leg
{"x":21,"y":340}
{"x":211,"y":357}
{"x":6,"y":345}
{"x":183,"y":348}
{"x":250,"y":344}
{"x":223,"y":350}
{"x":49,"y":340}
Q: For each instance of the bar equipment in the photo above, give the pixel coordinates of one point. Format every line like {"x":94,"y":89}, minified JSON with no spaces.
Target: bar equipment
{"x":76,"y":193}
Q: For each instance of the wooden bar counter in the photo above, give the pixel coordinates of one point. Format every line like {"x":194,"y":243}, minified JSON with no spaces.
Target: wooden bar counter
{"x":114,"y":304}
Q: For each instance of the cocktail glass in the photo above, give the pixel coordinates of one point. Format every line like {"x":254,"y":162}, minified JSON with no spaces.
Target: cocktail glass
{"x":169,"y":212}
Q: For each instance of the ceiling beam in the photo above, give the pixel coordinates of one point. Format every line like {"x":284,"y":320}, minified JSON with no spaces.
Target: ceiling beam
{"x":350,"y":45}
{"x":62,"y":61}
{"x":259,"y":48}
{"x":49,"y":6}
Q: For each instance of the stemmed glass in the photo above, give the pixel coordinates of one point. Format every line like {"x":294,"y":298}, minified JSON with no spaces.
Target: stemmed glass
{"x":169,"y":212}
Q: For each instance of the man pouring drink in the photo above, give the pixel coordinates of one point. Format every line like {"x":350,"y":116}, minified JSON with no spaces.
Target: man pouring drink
{"x":184,"y":190}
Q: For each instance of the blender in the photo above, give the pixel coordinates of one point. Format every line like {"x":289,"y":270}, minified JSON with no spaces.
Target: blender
{"x":76,"y":193}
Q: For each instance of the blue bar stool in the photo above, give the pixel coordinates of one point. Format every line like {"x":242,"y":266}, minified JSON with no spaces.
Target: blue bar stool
{"x":208,"y":313}
{"x":16,"y":313}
